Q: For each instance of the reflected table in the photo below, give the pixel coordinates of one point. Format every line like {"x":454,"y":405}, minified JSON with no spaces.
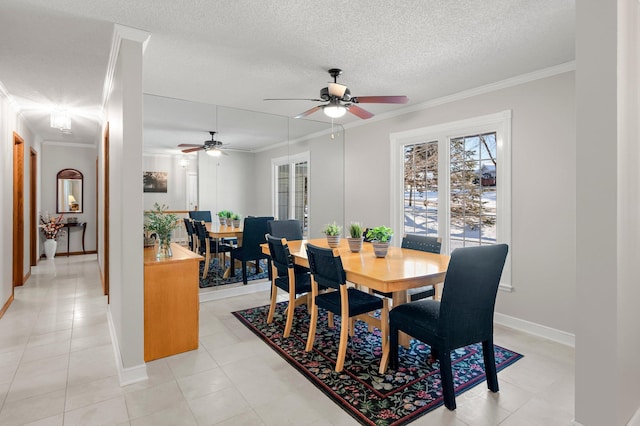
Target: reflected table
{"x":75,"y":225}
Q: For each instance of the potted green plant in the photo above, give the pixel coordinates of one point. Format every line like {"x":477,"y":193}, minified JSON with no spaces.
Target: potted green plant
{"x":161,"y":223}
{"x":380,"y":237}
{"x":235,"y":219}
{"x":333,"y":231}
{"x":228,"y":217}
{"x":222,"y":217}
{"x":355,"y":237}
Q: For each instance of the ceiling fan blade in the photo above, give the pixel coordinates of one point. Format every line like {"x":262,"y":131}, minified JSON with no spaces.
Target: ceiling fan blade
{"x":188,"y":145}
{"x":380,"y":99}
{"x":293,"y":99}
{"x":356,"y":110}
{"x":308,"y":112}
{"x":192,"y":149}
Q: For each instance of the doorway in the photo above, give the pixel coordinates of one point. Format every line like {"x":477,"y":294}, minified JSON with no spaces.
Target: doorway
{"x":33,"y":208}
{"x":18,"y":209}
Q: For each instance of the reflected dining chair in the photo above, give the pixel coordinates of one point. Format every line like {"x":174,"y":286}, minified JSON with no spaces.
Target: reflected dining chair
{"x":199,"y":215}
{"x":285,"y":277}
{"x":348,"y":302}
{"x":208,"y":247}
{"x":191,"y":237}
{"x":290,"y":229}
{"x":253,"y":232}
{"x":462,"y":317}
{"x":421,"y":243}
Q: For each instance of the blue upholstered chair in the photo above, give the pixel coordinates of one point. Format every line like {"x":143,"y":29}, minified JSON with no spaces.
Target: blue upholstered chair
{"x":327,"y":271}
{"x":464,"y":315}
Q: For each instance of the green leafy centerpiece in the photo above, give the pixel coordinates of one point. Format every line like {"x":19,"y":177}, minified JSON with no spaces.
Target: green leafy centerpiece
{"x":355,"y":237}
{"x":161,"y":223}
{"x":380,"y":237}
{"x":333,"y":231}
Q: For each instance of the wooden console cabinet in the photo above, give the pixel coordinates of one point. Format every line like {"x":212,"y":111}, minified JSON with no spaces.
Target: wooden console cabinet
{"x":171,"y":302}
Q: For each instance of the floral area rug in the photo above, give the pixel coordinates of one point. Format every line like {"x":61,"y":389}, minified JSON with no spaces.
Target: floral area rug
{"x":215,"y":272}
{"x":395,"y":398}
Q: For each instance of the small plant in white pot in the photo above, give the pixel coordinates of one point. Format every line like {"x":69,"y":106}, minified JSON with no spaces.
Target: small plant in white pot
{"x":333,"y":231}
{"x":235,"y":219}
{"x":380,"y":237}
{"x":355,"y":237}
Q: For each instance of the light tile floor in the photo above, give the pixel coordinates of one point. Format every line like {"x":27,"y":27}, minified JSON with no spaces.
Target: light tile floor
{"x":57,"y":368}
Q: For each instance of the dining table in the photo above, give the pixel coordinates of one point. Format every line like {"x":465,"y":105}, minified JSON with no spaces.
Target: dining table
{"x":400,"y":270}
{"x":219,"y":231}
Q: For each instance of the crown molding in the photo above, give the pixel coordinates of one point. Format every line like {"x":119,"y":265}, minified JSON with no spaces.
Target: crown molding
{"x":488,"y":88}
{"x":69,"y":144}
{"x":120,"y":32}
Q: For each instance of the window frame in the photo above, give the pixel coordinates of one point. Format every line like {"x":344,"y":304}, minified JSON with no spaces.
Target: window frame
{"x":500,"y":123}
{"x":291,"y":161}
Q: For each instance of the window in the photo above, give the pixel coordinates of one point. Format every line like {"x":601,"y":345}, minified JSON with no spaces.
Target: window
{"x":453,"y":181}
{"x":291,"y":193}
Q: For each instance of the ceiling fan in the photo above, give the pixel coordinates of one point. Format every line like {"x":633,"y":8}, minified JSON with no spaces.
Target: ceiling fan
{"x":211,"y":147}
{"x":339,"y":100}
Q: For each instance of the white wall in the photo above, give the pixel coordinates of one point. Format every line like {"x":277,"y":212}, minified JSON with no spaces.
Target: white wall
{"x":82,"y":158}
{"x":10,"y":122}
{"x":326,"y":179}
{"x":228,"y":183}
{"x":126,"y":284}
{"x":543,"y":182}
{"x":607,"y":42}
{"x":176,"y":196}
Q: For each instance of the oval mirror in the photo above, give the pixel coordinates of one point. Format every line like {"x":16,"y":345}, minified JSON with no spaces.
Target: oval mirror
{"x":69,"y":191}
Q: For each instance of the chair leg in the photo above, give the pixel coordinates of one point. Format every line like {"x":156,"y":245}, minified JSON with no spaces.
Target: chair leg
{"x":384,"y":334}
{"x":291,"y":310}
{"x":344,"y":340}
{"x":272,"y":306}
{"x":312,"y":327}
{"x":244,"y":272}
{"x":490,"y":365}
{"x":393,"y":347}
{"x":446,"y":374}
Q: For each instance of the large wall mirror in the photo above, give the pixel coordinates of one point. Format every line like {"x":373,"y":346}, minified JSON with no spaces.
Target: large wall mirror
{"x":69,"y":191}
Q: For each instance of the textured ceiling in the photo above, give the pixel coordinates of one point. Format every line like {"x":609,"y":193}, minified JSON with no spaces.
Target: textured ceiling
{"x":236,"y":53}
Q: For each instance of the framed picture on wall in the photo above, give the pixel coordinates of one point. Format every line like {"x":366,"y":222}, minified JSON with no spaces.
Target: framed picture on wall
{"x":154,"y":181}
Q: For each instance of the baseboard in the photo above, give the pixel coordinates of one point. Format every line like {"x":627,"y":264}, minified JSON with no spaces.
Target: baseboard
{"x":210,"y":294}
{"x":27,"y":276}
{"x":559,"y":336}
{"x":126,"y":376}
{"x":6,"y":305}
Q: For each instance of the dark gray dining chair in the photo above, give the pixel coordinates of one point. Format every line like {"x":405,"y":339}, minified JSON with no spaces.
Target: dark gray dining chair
{"x":462,"y":317}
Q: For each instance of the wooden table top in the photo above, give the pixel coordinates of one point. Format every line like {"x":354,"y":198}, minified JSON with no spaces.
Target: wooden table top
{"x":219,"y":231}
{"x":400,"y":270}
{"x":180,"y":254}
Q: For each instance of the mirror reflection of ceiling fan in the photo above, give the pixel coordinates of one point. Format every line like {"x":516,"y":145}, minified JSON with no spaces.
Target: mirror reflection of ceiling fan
{"x":212,"y":147}
{"x":339,"y":100}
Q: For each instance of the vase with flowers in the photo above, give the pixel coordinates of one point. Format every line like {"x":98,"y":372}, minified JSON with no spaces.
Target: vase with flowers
{"x":161,"y":223}
{"x":51,"y":227}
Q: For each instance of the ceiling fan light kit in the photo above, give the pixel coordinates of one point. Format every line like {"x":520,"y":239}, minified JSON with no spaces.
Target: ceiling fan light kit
{"x":340,"y":100}
{"x":212,"y":147}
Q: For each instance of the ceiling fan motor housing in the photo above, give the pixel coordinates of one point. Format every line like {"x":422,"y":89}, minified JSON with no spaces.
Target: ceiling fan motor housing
{"x":325,"y":96}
